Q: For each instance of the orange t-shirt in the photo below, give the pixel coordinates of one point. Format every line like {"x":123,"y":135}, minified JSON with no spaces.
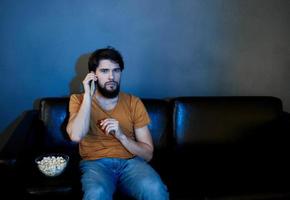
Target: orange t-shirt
{"x":129,"y":111}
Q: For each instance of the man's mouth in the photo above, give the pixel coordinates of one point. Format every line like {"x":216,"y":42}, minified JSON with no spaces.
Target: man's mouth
{"x":111,"y":84}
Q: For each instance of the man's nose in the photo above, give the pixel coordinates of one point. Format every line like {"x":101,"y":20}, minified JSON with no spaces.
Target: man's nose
{"x":111,"y":75}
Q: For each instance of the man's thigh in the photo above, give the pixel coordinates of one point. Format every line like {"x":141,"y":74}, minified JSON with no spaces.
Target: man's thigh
{"x":138,"y":177}
{"x":96,"y":176}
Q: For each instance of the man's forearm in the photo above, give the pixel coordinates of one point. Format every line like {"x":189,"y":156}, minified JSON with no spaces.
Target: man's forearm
{"x":141,"y":149}
{"x":81,"y":123}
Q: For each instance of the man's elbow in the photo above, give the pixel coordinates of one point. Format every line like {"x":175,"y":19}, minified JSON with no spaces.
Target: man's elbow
{"x":73,"y":137}
{"x":149,"y":158}
{"x":149,"y":155}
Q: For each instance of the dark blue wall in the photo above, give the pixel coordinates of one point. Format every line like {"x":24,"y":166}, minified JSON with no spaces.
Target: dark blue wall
{"x":171,"y":48}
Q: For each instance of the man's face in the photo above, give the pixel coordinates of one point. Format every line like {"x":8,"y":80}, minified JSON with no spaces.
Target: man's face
{"x":109,"y":76}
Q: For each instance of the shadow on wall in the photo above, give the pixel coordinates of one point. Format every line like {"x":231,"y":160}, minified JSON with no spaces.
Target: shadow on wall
{"x":75,"y":86}
{"x":81,"y":70}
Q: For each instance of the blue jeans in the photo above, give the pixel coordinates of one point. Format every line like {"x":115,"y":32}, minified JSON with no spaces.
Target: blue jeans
{"x":135,"y":177}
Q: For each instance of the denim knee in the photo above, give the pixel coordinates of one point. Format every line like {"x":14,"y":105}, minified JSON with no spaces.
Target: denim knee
{"x":96,"y":193}
{"x":152,"y":189}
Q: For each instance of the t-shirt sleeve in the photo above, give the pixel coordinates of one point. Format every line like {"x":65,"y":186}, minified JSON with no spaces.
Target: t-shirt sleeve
{"x":140,"y":115}
{"x":74,"y":103}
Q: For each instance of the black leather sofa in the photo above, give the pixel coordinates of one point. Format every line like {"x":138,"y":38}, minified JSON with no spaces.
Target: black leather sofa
{"x":205,"y":148}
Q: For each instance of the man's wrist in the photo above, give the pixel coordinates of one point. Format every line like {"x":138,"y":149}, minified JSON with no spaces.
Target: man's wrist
{"x":87,"y":98}
{"x":87,"y":95}
{"x":121,"y":137}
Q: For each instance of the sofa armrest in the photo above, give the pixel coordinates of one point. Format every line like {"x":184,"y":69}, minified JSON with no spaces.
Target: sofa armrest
{"x":282,"y":130}
{"x":12,"y":153}
{"x":9,"y":179}
{"x":17,"y":142}
{"x":285,"y":121}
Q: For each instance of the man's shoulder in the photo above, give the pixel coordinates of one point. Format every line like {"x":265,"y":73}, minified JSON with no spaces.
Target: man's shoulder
{"x":77,"y":97}
{"x":129,"y":97}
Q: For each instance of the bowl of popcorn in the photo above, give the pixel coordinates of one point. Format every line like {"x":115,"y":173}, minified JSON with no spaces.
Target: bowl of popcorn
{"x":52,"y":164}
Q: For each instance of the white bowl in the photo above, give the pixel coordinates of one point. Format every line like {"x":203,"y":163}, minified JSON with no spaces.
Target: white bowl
{"x":52,"y":164}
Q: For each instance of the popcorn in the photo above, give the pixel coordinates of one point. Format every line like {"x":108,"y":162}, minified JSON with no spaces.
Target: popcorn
{"x":51,"y":165}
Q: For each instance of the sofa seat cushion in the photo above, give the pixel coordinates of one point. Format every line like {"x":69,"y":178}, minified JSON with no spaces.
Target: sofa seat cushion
{"x":217,"y":170}
{"x":45,"y":189}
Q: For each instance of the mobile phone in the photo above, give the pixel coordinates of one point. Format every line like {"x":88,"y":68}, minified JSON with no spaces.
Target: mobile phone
{"x":92,"y":87}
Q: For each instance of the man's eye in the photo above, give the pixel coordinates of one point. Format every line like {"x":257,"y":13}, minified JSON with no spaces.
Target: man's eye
{"x":117,"y":70}
{"x":104,"y":70}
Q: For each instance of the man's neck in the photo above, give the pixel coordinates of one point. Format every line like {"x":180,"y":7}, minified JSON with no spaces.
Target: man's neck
{"x":106,"y":103}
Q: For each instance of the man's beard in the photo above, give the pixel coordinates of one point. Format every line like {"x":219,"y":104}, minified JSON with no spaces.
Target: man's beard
{"x":108,"y":93}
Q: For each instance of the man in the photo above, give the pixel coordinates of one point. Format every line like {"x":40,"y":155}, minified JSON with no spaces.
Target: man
{"x":112,"y":130}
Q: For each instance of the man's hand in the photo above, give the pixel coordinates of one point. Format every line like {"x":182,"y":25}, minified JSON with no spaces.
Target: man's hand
{"x":111,"y":126}
{"x":86,"y":82}
{"x":143,"y":146}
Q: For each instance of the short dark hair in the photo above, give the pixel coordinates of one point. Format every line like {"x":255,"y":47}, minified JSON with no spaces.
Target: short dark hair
{"x":105,"y":53}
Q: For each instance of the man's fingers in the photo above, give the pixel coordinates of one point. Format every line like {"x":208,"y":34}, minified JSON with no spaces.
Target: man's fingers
{"x":108,"y":120}
{"x":90,"y":77}
{"x":110,"y":129}
{"x":109,"y":125}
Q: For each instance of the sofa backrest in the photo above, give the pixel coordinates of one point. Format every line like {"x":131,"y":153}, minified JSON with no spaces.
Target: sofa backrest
{"x":211,"y":120}
{"x":182,"y":120}
{"x":54,"y":115}
{"x":160,"y":112}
